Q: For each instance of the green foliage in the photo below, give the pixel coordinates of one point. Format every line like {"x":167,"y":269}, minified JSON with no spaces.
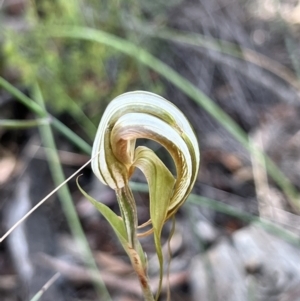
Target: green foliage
{"x":74,"y":71}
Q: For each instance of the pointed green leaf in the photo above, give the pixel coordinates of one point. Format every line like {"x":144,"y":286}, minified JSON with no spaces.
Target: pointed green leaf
{"x":117,"y":224}
{"x":114,"y":220}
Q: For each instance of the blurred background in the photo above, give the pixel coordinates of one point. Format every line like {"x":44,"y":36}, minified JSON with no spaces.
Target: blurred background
{"x":232,"y":66}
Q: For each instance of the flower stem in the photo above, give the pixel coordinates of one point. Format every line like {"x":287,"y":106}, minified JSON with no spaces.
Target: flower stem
{"x":129,"y":214}
{"x":141,"y":273}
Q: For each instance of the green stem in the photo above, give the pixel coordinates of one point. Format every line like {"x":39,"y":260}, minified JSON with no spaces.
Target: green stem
{"x":141,"y":273}
{"x":129,"y":214}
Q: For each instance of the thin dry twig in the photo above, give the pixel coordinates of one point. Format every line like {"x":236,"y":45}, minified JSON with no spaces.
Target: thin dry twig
{"x":44,"y":199}
{"x":39,"y":294}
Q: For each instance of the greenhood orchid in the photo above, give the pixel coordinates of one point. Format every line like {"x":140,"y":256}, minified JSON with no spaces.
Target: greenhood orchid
{"x":135,"y":115}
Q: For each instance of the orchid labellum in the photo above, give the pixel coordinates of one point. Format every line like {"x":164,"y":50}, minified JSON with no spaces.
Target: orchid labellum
{"x":128,"y":117}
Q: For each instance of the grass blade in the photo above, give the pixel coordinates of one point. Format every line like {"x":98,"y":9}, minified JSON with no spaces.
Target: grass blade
{"x":23,"y":124}
{"x":65,"y":197}
{"x":232,"y":211}
{"x":34,"y":107}
{"x":189,"y":89}
{"x":225,"y":47}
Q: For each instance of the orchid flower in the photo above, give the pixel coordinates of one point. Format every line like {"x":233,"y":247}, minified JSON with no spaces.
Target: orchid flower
{"x":128,"y":117}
